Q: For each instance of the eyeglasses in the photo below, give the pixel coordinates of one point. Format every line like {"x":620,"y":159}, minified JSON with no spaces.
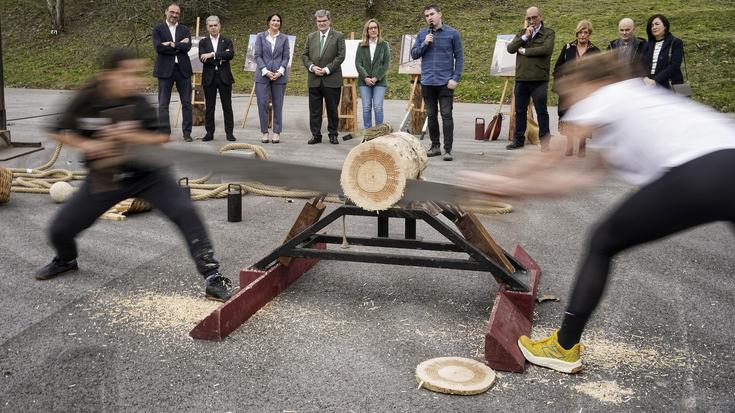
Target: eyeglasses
{"x":373,"y":28}
{"x":529,"y":18}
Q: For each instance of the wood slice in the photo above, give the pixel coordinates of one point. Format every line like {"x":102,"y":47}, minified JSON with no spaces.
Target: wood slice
{"x":374,"y":173}
{"x":455,"y":375}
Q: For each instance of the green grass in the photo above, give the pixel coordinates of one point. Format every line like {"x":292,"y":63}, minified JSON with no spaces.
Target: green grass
{"x":35,"y":58}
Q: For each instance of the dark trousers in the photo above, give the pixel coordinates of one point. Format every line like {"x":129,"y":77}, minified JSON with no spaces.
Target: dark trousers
{"x":526,"y":91}
{"x":158,"y":188}
{"x":444,"y":97}
{"x":689,"y":195}
{"x":210,"y":101}
{"x":183,"y":85}
{"x":330,"y":97}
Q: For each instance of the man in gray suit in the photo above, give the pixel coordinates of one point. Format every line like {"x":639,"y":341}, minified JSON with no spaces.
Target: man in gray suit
{"x":323,"y":57}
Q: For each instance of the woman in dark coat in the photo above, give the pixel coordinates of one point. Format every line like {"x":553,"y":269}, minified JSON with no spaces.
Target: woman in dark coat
{"x":572,"y":53}
{"x":664,"y":54}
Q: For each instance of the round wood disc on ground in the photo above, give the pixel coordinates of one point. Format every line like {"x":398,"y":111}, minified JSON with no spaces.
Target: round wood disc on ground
{"x":455,"y":375}
{"x":374,"y":173}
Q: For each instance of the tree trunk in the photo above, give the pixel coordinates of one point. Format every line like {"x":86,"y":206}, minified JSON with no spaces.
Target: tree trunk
{"x":56,"y":12}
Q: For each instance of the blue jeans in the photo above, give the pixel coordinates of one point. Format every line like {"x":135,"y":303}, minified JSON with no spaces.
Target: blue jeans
{"x":372,"y":97}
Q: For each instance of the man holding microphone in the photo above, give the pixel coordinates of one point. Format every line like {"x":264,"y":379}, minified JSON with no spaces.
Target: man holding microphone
{"x":440,"y":49}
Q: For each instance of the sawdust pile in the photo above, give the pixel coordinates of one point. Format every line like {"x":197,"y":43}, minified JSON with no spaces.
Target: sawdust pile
{"x":605,"y":391}
{"x":153,"y":311}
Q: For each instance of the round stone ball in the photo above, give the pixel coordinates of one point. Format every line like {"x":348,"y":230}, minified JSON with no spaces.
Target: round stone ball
{"x":61,"y":191}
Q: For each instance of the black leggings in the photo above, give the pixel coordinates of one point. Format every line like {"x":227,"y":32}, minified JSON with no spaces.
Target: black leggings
{"x":695,"y":193}
{"x":158,"y":188}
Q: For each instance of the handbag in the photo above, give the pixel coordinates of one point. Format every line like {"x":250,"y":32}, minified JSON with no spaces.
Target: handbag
{"x":493,"y":129}
{"x":681,"y":89}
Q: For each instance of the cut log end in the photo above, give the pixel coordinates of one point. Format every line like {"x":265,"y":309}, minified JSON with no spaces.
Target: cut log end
{"x":374,"y":173}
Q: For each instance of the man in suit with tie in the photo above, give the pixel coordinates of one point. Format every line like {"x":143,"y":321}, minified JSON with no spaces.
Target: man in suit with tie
{"x":172,"y":42}
{"x":323,"y":57}
{"x":215,"y":52}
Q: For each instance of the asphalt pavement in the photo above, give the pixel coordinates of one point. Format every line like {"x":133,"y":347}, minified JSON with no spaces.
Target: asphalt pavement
{"x":345,"y":337}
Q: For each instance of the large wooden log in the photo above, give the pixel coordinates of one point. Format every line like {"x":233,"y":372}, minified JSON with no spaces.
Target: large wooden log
{"x":374,"y":173}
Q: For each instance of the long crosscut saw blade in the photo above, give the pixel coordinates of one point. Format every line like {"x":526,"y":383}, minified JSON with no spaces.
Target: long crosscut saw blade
{"x":270,"y":172}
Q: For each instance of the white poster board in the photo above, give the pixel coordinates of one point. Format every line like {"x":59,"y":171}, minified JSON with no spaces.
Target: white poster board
{"x":503,"y":63}
{"x":251,"y":64}
{"x":196,"y":64}
{"x":407,"y":65}
{"x":348,"y":66}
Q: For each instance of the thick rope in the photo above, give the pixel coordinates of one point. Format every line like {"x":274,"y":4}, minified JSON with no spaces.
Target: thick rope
{"x":38,"y":180}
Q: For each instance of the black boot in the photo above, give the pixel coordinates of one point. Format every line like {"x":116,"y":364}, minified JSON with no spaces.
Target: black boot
{"x":219,"y":288}
{"x":55,"y":268}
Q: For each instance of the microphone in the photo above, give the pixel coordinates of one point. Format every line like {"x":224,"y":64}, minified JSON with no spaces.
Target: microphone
{"x":431,"y":27}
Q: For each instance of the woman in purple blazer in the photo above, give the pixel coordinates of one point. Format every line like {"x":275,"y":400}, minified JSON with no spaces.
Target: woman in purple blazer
{"x":271,"y":74}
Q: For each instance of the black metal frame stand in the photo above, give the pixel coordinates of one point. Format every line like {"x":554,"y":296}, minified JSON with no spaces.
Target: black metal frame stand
{"x":301,"y":246}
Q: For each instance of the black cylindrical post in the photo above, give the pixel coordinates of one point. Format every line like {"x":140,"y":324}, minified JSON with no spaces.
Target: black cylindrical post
{"x":185,"y":187}
{"x":234,"y":203}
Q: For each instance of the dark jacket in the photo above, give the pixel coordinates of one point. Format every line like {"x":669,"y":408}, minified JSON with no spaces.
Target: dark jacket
{"x":569,"y":54}
{"x":220,"y":65}
{"x":377,"y":67}
{"x":535,"y":64}
{"x":668,"y":67}
{"x":332,"y":58}
{"x":167,"y":55}
{"x":639,"y":49}
{"x":271,"y":60}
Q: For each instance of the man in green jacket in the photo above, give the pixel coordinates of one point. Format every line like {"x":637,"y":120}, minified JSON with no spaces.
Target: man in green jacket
{"x":534,"y":46}
{"x":323,"y":57}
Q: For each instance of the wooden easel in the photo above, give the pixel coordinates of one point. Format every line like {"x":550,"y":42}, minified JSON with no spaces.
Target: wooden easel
{"x":250,"y":103}
{"x":347,"y":107}
{"x":197,"y":96}
{"x":418,"y":110}
{"x":500,"y":106}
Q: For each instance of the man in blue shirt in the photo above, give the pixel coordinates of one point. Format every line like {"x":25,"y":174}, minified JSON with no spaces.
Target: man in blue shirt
{"x":440,"y":49}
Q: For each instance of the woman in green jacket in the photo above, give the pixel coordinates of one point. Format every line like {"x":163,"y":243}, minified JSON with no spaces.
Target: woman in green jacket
{"x":371,"y":60}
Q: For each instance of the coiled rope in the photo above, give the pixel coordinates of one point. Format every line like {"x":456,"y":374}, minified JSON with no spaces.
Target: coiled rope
{"x":38,"y":180}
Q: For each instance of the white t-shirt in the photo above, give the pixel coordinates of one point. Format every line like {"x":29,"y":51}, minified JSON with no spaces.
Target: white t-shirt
{"x":643,"y":131}
{"x":656,"y":52}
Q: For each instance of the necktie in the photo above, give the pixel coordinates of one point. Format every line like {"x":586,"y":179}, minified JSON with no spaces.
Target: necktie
{"x":321,"y":44}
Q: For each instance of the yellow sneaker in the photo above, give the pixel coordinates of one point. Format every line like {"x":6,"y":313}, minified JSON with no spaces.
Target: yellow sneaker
{"x":547,"y":352}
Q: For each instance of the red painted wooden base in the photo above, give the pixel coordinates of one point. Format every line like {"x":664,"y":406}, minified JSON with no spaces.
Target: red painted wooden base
{"x":257,"y":288}
{"x":510,"y":318}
